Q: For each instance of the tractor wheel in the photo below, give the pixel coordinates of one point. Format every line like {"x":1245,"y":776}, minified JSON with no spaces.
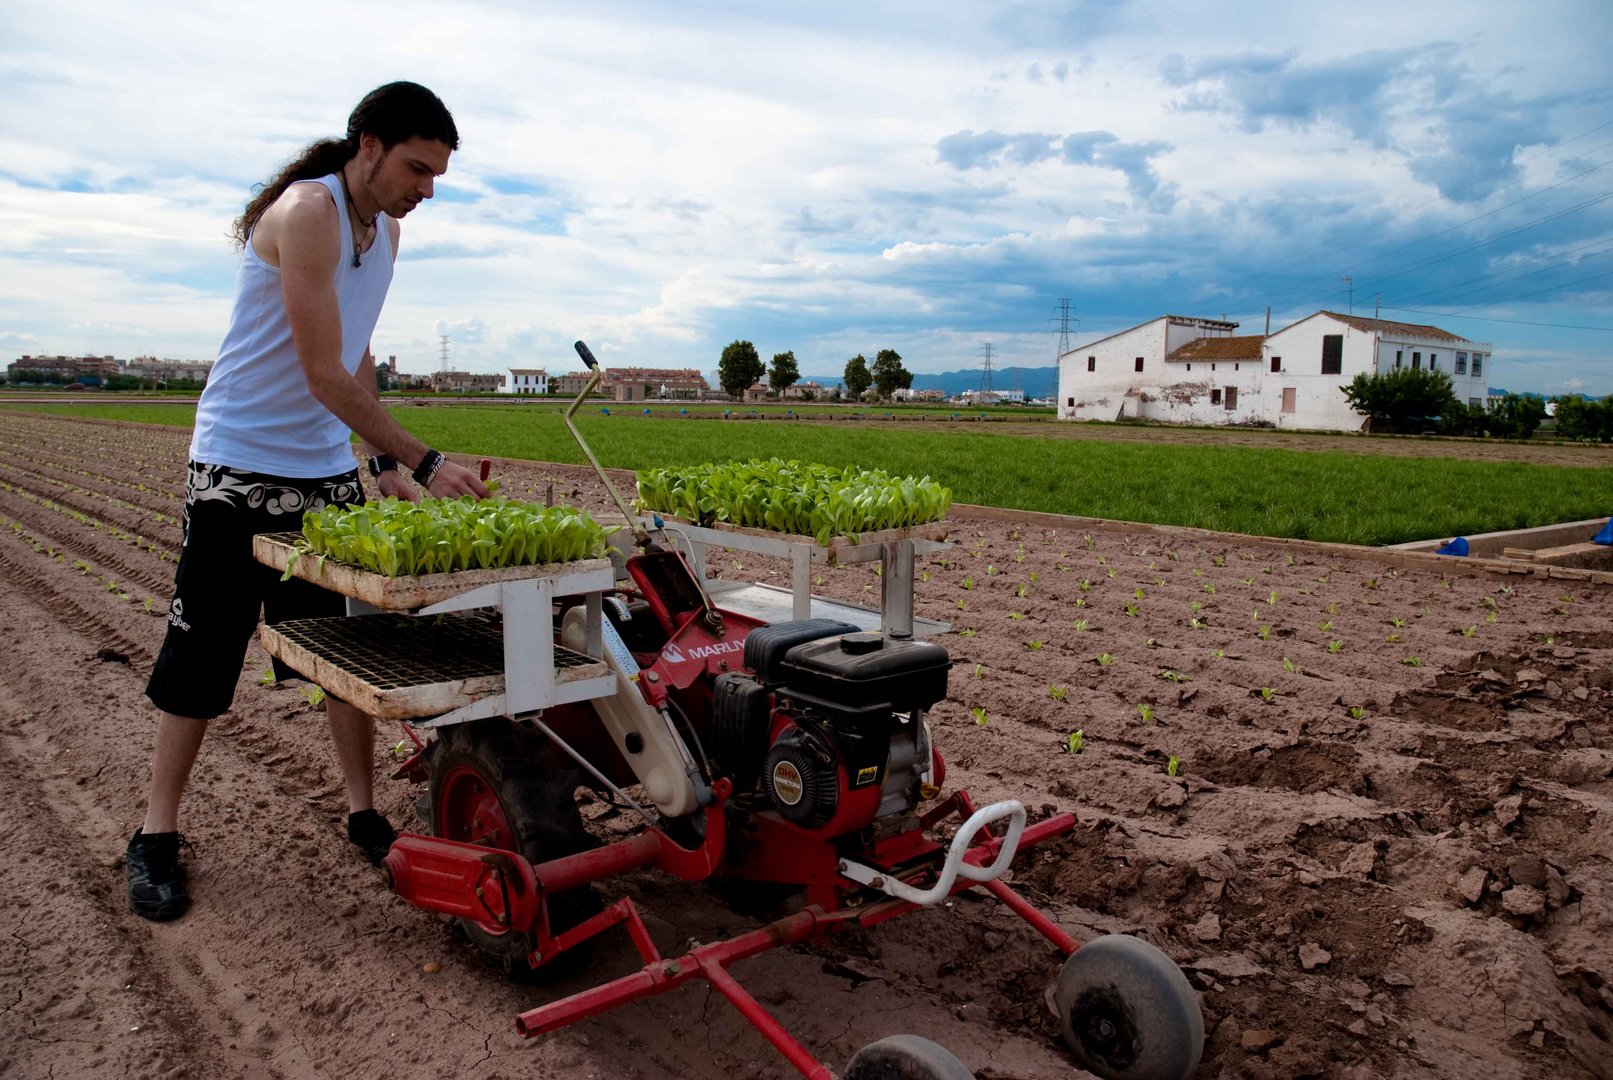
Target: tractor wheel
{"x":493,"y":783}
{"x":1128,"y":1012}
{"x":906,"y":1057}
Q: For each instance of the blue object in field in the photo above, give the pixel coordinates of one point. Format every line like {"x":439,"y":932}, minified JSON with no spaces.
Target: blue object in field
{"x":1606,"y":535}
{"x":1455,"y":547}
{"x":656,"y":518}
{"x":684,"y":412}
{"x":604,"y":412}
{"x":646,"y":412}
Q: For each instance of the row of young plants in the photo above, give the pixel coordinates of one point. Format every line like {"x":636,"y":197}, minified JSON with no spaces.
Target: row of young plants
{"x":52,"y":461}
{"x":40,"y":478}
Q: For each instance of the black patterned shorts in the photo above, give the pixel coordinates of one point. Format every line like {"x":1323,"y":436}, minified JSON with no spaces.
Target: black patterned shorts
{"x":220,"y":590}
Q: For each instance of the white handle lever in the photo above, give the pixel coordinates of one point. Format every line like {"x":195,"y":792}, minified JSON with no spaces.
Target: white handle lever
{"x":954,"y":867}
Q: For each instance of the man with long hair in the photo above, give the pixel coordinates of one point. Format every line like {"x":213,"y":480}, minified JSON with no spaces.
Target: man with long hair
{"x":293,"y":380}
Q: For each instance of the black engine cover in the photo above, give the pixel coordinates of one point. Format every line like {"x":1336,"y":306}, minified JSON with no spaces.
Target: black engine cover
{"x":860,"y":672}
{"x":766,"y":645}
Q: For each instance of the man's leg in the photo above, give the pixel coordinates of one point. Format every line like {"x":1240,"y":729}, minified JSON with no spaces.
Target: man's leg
{"x":353,"y":733}
{"x":178,"y":739}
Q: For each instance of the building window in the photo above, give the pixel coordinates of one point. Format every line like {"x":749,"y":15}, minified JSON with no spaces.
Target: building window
{"x":1398,"y":355}
{"x":1417,"y":360}
{"x":1139,"y":366}
{"x":1276,"y":364}
{"x":1289,"y":394}
{"x":1232,"y":398}
{"x":1092,"y":363}
{"x":1475,"y":403}
{"x":1461,"y":363}
{"x":1215,"y":397}
{"x":1190,"y":367}
{"x":1069,"y":403}
{"x":1478,"y":363}
{"x":1433,"y":361}
{"x":1332,"y":354}
{"x":1212,"y":367}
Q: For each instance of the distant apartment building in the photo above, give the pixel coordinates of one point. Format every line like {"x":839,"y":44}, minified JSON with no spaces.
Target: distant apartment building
{"x":151,"y":369}
{"x":637,"y":384}
{"x":807,"y":391}
{"x":992,"y":397}
{"x":527,"y":381}
{"x":910,"y":394}
{"x":465,"y":382}
{"x":84,"y":369}
{"x":1177,"y":369}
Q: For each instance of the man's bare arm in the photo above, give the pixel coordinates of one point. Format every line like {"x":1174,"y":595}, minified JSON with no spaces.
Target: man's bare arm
{"x":307,"y":258}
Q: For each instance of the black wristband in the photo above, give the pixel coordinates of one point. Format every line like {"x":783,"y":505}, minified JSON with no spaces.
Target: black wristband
{"x":382,"y":463}
{"x":428,"y":467}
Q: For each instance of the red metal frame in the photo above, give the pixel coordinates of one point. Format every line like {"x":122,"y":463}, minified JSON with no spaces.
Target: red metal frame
{"x":475,"y":882}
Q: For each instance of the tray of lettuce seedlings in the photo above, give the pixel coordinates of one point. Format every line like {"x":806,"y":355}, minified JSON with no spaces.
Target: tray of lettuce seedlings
{"x":802,"y":501}
{"x":394,"y":554}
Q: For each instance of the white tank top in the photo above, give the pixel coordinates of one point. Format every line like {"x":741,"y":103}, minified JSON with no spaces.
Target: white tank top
{"x":256,"y":412}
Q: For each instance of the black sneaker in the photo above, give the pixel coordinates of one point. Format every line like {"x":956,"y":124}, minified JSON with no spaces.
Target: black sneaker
{"x":156,"y":883}
{"x":372,"y":833}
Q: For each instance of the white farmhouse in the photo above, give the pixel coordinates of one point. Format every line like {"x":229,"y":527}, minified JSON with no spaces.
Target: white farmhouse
{"x":1311,"y":359}
{"x":527,"y":381}
{"x":1182,"y":370}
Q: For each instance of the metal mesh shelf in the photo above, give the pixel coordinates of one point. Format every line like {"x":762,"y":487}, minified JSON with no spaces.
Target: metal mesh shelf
{"x":401,"y":666}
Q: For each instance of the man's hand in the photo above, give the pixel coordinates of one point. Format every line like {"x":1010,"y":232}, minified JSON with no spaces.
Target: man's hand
{"x":453,"y":481}
{"x":391,"y":482}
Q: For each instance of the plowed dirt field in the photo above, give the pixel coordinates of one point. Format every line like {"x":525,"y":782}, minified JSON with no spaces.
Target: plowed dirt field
{"x":1385,"y":852}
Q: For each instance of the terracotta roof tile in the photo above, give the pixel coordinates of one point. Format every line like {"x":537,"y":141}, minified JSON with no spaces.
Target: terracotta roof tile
{"x":1221,"y":348}
{"x":1400,"y":329}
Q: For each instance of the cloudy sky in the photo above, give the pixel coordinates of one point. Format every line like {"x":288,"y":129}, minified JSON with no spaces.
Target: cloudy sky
{"x":831,"y":178}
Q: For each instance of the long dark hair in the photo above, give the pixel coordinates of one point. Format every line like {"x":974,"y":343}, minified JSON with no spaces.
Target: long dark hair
{"x":393,"y":113}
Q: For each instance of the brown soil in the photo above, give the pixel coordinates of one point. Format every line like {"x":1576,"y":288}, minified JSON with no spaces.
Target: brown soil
{"x":1373,"y":868}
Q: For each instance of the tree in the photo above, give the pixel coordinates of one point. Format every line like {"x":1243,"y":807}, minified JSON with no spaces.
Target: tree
{"x":888,"y":373}
{"x":857,"y":378}
{"x":783,"y":374}
{"x":739,"y":369}
{"x":1405,"y":399}
{"x":1580,"y":418}
{"x":1516,"y":416}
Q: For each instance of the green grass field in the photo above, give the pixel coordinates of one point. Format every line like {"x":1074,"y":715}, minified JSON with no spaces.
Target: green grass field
{"x":1355,"y":498}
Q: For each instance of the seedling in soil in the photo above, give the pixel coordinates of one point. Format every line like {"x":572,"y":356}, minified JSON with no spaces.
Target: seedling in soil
{"x":401,"y":747}
{"x":1174,"y":676}
{"x":1219,"y":560}
{"x":980,"y":716}
{"x":1506,"y":590}
{"x":980,"y":671}
{"x":1150,"y":642}
{"x":924,"y":575}
{"x":1073,"y":741}
{"x":1061,"y":568}
{"x":1551,"y":639}
{"x":1034,"y":575}
{"x":314,"y":696}
{"x":1468,"y":631}
{"x":1197,"y":572}
{"x":1132,"y":610}
{"x":1290,"y":560}
{"x":1089,"y":541}
{"x":1209,"y":587}
{"x":1105,"y":659}
{"x":1335,"y":645}
{"x":1146,"y":711}
{"x":1488,"y":602}
{"x":1057,"y":693}
{"x":1264,"y":633}
{"x":1413,"y":661}
{"x":1397,"y":622}
{"x":1137,"y":593}
{"x":1081,"y":625}
{"x":818,"y":579}
{"x":148,"y":605}
{"x":1356,"y":712}
{"x":1023,"y":590}
{"x":1393,"y":639}
{"x":1085,"y":585}
{"x":1173,"y":766}
{"x":1248,"y":581}
{"x":1035,"y":646}
{"x":1372,"y":583}
{"x":1016,"y":615}
{"x":962,"y":606}
{"x":267,"y":678}
{"x":1325,"y":625}
{"x":1159,"y":583}
{"x":1489,"y":616}
{"x":1080,"y":601}
{"x":968,"y":583}
{"x":1268,"y":694}
{"x":967,"y":632}
{"x":1196,"y":624}
{"x":1290,"y":667}
{"x":1273,"y":596}
{"x":1218,"y":654}
{"x":1333,"y":608}
{"x":1019,"y":558}
{"x":1194,"y":606}
{"x":990,"y":570}
{"x":1113,"y":572}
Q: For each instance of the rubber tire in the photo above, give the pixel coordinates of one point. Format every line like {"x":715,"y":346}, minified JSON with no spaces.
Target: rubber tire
{"x":906,"y":1057}
{"x":1151,"y":1025}
{"x":538,"y":800}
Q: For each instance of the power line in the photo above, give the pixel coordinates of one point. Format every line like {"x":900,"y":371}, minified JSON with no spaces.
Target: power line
{"x":1512,"y":322}
{"x":1551,"y":264}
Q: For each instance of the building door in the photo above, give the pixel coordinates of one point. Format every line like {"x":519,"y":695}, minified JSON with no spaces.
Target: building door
{"x":1289,"y":394}
{"x":1232,"y":398}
